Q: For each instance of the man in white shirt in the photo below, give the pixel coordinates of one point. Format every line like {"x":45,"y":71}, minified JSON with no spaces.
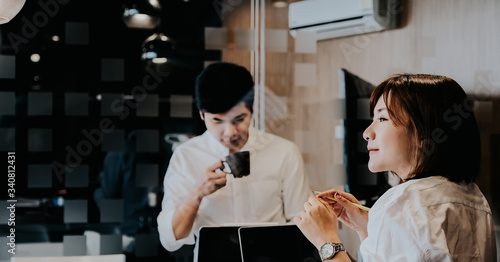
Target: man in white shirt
{"x":197,"y":193}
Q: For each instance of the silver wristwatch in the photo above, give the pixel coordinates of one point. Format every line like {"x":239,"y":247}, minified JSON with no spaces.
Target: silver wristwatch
{"x":329,"y":250}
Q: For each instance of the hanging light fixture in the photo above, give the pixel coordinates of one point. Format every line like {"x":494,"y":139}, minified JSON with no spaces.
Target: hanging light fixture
{"x":9,"y":9}
{"x":157,"y":49}
{"x":280,"y":3}
{"x":142,"y":14}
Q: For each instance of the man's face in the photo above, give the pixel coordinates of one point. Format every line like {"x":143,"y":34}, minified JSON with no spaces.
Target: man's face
{"x":229,"y":128}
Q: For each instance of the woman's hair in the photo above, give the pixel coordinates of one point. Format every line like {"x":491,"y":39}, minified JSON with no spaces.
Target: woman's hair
{"x":221,"y":86}
{"x":442,"y":129}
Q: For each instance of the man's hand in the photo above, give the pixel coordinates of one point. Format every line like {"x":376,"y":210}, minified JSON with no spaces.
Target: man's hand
{"x":185,"y":213}
{"x":213,"y":180}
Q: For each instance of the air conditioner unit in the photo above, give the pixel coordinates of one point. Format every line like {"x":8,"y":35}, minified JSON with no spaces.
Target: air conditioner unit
{"x":338,"y":18}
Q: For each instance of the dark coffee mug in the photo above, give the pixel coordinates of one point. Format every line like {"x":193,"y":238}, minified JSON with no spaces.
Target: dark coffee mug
{"x":238,"y":164}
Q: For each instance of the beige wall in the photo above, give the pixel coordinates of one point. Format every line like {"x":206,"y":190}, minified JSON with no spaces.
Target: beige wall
{"x":456,"y":38}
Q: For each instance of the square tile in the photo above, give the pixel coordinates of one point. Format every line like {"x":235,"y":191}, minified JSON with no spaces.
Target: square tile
{"x":74,"y":245}
{"x":77,"y":33}
{"x":215,"y":38}
{"x":305,"y":74}
{"x":39,"y":140}
{"x":7,"y":139}
{"x":146,"y":175}
{"x":75,"y":211}
{"x":244,"y":39}
{"x":111,"y":210}
{"x":112,"y":69}
{"x":8,"y":65}
{"x":39,"y":104}
{"x":276,"y":40}
{"x":77,"y":177}
{"x":147,"y":141}
{"x":76,"y":104}
{"x":111,"y":244}
{"x":7,"y":102}
{"x":148,"y":106}
{"x":113,"y":141}
{"x":111,"y":104}
{"x":305,"y":42}
{"x":39,"y":176}
{"x":181,"y":106}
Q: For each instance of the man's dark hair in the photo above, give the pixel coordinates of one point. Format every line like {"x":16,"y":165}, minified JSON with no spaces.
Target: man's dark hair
{"x":221,"y":86}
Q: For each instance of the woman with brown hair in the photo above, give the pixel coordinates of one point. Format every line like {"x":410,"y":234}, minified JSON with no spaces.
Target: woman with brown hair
{"x":424,"y":131}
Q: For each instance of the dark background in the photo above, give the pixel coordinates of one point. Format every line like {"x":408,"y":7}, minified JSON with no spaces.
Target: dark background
{"x":67,"y":67}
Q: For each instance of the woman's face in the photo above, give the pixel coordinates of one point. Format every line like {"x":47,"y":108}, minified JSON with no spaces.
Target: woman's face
{"x":388,"y":144}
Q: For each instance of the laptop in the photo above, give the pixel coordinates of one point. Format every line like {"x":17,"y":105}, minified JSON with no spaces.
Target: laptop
{"x":276,"y":244}
{"x":219,"y":243}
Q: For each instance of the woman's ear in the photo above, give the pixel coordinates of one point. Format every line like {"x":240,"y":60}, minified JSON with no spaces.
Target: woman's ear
{"x":201,"y":115}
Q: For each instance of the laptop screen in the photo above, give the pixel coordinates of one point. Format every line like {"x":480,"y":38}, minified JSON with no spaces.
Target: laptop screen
{"x":276,"y":244}
{"x":219,"y":244}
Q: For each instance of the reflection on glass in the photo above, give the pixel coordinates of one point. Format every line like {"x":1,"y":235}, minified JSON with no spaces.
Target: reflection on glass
{"x":215,"y":38}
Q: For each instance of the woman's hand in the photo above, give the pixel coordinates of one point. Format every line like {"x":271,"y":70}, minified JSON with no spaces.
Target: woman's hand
{"x":346,"y":212}
{"x":318,"y":222}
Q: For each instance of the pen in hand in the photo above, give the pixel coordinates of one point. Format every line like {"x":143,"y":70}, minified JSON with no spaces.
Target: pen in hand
{"x":357,"y":205}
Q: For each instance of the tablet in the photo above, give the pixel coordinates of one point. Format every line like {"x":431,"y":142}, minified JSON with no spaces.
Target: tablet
{"x":276,"y":244}
{"x":219,"y":243}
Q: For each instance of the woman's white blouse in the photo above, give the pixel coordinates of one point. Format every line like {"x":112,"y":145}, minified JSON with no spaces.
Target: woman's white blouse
{"x":430,"y":219}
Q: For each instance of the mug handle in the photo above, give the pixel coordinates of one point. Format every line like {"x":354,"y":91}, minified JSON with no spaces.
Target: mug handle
{"x":226,"y":165}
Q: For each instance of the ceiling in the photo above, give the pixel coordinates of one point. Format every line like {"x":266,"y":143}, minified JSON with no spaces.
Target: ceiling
{"x":67,"y":66}
{"x":181,"y":20}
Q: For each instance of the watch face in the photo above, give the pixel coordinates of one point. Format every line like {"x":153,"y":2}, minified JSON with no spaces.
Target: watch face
{"x":326,"y":251}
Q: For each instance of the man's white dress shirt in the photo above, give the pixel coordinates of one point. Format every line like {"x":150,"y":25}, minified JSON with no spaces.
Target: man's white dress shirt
{"x":430,"y":219}
{"x":275,"y":190}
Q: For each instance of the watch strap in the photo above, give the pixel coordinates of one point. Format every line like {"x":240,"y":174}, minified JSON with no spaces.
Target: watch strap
{"x":337,"y":247}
